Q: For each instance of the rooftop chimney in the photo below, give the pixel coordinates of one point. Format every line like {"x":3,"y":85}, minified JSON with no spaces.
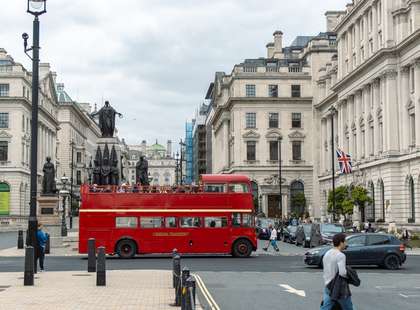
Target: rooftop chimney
{"x":270,"y":49}
{"x":333,"y":18}
{"x":278,"y":43}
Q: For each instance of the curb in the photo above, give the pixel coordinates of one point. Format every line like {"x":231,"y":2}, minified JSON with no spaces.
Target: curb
{"x":204,"y":297}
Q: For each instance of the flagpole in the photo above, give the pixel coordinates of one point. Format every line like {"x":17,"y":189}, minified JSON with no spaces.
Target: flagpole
{"x":333,"y":110}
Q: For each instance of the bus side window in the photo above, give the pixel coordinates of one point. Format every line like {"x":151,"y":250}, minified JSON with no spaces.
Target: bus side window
{"x":236,"y":220}
{"x":246,"y":220}
{"x":215,"y":188}
{"x":125,"y":222}
{"x":215,"y":222}
{"x":187,"y":222}
{"x":238,"y":188}
{"x":151,"y":222}
{"x":170,"y":222}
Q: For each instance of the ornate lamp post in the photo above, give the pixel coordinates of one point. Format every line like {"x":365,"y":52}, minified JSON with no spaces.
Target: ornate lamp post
{"x":181,"y":146}
{"x":36,"y":8}
{"x":64,"y":192}
{"x":177,"y":168}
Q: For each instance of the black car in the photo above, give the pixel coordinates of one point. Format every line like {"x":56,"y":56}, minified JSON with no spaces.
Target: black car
{"x":263,"y":231}
{"x":289,"y":234}
{"x":329,"y":230}
{"x":379,"y":249}
{"x":303,"y":235}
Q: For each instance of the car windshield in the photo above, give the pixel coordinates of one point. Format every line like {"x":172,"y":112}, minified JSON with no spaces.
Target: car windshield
{"x":331,"y":228}
{"x":266,"y":222}
{"x":292,"y":228}
{"x":307,"y":229}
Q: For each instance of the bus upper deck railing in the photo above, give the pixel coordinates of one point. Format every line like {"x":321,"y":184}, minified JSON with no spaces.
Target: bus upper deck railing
{"x":155,"y":189}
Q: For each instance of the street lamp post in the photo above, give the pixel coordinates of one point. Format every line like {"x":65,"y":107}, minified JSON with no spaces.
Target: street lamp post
{"x":64,"y":192}
{"x":333,"y":111}
{"x":71,"y":184}
{"x":280,"y":177}
{"x":36,"y":8}
{"x":177,"y":168}
{"x":181,"y":145}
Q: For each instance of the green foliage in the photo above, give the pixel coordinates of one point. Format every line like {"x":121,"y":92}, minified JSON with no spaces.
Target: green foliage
{"x":346,"y":197}
{"x":298,"y":203}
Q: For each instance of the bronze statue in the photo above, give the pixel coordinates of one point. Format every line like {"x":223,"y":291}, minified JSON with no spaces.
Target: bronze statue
{"x":107,"y":120}
{"x":142,"y":175}
{"x":48,"y":181}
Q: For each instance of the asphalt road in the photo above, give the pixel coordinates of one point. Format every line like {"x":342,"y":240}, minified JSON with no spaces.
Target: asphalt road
{"x":8,"y":239}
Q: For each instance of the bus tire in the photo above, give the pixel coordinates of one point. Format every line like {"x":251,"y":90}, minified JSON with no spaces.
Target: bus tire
{"x":242,"y":248}
{"x":126,"y":248}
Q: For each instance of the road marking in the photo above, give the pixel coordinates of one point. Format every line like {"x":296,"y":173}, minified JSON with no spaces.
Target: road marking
{"x":408,"y":296}
{"x":292,"y":290}
{"x":385,"y":287}
{"x":206,"y":293}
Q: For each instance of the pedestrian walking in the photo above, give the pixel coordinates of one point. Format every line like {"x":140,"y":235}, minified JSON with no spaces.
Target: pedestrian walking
{"x":273,"y":239}
{"x":41,"y":237}
{"x":334,"y":263}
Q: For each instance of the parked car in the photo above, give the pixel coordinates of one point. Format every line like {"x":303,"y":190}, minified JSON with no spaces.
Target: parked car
{"x":379,"y":249}
{"x":329,"y":230}
{"x":262,"y":227}
{"x":289,"y":234}
{"x":303,"y":235}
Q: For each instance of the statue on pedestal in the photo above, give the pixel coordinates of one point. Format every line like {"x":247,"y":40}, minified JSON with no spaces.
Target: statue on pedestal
{"x":114,"y":167}
{"x":106,"y":167}
{"x":48,"y":181}
{"x":142,"y":174}
{"x":107,"y":120}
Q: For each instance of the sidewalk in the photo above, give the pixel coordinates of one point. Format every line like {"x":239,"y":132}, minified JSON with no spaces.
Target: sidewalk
{"x":131,"y":289}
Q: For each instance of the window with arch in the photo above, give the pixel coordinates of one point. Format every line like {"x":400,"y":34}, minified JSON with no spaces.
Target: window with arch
{"x":4,"y":198}
{"x":382,"y":198}
{"x":412,"y":202}
{"x":371,"y":214}
{"x":297,"y":198}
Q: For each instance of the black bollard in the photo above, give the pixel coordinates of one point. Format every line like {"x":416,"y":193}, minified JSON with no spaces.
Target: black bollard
{"x":27,"y":241}
{"x":47,"y":245}
{"x":28,"y":278}
{"x":176,"y":263}
{"x":20,"y":239}
{"x":185,"y":275}
{"x":101,"y":268}
{"x":190,"y":293}
{"x":91,"y":255}
{"x":178,"y":284}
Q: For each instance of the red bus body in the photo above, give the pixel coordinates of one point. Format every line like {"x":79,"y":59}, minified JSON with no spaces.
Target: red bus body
{"x":157,"y":221}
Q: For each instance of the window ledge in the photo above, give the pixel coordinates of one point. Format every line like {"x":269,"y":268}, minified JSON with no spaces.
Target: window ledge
{"x":297,"y":162}
{"x":251,"y":162}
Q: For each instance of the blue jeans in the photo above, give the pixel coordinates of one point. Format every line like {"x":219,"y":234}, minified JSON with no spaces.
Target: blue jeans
{"x":328,"y":304}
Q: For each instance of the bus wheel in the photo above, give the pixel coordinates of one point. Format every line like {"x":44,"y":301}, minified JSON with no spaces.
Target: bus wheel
{"x":242,"y":248}
{"x":126,"y":249}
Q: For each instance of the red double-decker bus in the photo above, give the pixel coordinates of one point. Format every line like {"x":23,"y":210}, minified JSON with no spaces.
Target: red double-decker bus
{"x":215,"y":217}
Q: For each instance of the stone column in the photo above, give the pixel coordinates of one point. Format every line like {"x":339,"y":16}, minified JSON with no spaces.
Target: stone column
{"x":375,"y":98}
{"x":366,"y":112}
{"x":375,"y":27}
{"x":358,"y":113}
{"x":405,"y":120}
{"x":417,"y":99}
{"x":322,"y":147}
{"x":391,"y":112}
{"x":350,"y":105}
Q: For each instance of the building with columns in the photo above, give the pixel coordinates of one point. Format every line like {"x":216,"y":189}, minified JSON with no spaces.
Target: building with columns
{"x":261,"y":101}
{"x":15,"y":135}
{"x":374,"y":83}
{"x":161,"y":162}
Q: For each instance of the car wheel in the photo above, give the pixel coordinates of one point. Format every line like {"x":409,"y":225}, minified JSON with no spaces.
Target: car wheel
{"x":392,"y":262}
{"x":126,"y":249}
{"x":242,"y":248}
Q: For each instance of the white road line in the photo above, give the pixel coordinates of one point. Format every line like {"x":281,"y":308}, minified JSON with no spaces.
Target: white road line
{"x":385,"y":287}
{"x":206,"y":293}
{"x":292,"y":290}
{"x":408,"y":296}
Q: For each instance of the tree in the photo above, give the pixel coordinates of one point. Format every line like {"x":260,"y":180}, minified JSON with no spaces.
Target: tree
{"x":360,"y":197}
{"x":343,"y":203}
{"x":298,"y":202}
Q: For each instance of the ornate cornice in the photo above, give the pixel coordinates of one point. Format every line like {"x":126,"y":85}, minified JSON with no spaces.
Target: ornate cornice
{"x":251,"y":135}
{"x":296,"y":135}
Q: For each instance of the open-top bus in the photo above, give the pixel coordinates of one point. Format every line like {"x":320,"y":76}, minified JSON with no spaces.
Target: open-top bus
{"x":215,"y":217}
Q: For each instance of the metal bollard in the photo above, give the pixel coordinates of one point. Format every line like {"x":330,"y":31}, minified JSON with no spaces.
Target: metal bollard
{"x":101,"y":268}
{"x":176,"y":262}
{"x":185,"y":275}
{"x":190,"y":293}
{"x":20,"y":239}
{"x":178,"y":284}
{"x":28,"y":278}
{"x":48,"y":245}
{"x":91,"y":255}
{"x":27,"y":241}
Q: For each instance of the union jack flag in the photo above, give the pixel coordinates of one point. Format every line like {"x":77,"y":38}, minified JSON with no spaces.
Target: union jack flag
{"x":344,"y":160}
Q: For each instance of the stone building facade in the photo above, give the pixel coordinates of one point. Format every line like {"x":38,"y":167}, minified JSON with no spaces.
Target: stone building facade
{"x":161,"y":162}
{"x":374,"y":83}
{"x":263,"y":100}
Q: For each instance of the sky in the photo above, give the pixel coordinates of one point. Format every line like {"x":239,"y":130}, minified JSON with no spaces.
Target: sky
{"x":154,"y":59}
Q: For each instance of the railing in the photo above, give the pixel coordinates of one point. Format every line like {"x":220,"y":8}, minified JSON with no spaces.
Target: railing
{"x":137,"y":188}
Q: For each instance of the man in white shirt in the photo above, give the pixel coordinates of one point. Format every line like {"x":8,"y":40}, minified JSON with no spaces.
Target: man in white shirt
{"x":273,"y":239}
{"x":334,"y":261}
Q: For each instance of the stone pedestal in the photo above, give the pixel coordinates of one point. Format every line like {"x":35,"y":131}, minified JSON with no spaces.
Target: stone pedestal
{"x":49,"y":216}
{"x":111,"y":142}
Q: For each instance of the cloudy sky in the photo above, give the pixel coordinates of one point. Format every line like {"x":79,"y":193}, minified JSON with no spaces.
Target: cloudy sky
{"x":154,"y":59}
